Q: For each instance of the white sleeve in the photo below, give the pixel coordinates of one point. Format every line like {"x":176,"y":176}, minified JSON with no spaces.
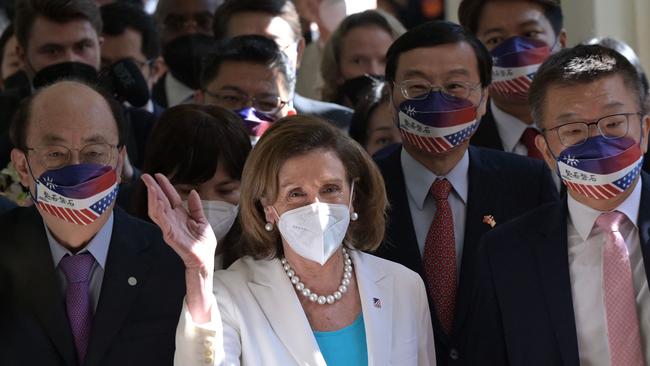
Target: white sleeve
{"x":217,"y":342}
{"x":427,"y":347}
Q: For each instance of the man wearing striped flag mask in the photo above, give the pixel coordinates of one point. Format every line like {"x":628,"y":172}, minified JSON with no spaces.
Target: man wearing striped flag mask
{"x":520,"y":35}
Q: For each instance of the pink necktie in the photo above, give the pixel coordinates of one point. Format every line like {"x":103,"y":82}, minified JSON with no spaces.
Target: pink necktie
{"x":77,"y":299}
{"x":620,"y":305}
{"x":440,"y":256}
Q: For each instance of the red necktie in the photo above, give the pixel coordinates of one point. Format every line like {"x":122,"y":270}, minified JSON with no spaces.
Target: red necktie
{"x":440,"y":256}
{"x":620,"y":305}
{"x":528,"y":139}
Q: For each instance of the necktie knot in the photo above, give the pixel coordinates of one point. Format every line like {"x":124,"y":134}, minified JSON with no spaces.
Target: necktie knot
{"x":440,"y":189}
{"x":77,"y":267}
{"x":610,"y":221}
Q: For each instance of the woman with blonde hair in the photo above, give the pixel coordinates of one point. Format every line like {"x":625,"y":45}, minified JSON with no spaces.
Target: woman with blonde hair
{"x":305,"y":292}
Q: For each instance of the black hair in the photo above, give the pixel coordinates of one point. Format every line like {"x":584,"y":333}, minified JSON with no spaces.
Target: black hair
{"x":284,"y":9}
{"x":119,"y":16}
{"x":363,"y":112}
{"x":437,"y":33}
{"x":469,"y":13}
{"x":20,"y":121}
{"x":582,"y":64}
{"x":248,"y":48}
{"x":4,"y":38}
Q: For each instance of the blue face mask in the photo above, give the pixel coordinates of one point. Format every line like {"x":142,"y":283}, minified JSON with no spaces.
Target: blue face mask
{"x":437,"y":123}
{"x":601,"y":168}
{"x":256,"y":122}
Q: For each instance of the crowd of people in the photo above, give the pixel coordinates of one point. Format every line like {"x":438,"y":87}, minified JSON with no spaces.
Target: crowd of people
{"x":202,"y":186}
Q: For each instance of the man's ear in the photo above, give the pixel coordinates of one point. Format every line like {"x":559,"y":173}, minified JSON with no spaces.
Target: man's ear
{"x":199,"y":96}
{"x":300,"y":51}
{"x":157,"y":69}
{"x":482,"y":107}
{"x":19,"y":160}
{"x":21,"y":53}
{"x":562,"y":38}
{"x":645,"y":128}
{"x":542,"y":146}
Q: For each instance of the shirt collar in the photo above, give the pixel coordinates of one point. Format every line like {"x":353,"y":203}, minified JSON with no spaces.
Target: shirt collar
{"x":510,"y":128}
{"x":98,"y":245}
{"x":177,"y":92}
{"x":584,"y":217}
{"x":420,"y":178}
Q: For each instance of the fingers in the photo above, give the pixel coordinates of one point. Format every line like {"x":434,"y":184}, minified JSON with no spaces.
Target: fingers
{"x":156,"y":200}
{"x":169,"y":191}
{"x":195,"y":208}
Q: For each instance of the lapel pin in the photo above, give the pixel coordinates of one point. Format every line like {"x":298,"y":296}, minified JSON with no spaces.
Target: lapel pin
{"x":489,"y":219}
{"x":132,"y":281}
{"x":376,"y":302}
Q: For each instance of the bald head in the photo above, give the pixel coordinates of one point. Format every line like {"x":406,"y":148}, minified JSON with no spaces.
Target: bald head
{"x":68,"y":113}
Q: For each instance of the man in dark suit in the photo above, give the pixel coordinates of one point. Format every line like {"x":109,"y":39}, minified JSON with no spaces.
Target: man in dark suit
{"x":278,"y":20}
{"x":567,"y":284}
{"x":515,"y":25}
{"x":438,"y":76}
{"x":80,"y":282}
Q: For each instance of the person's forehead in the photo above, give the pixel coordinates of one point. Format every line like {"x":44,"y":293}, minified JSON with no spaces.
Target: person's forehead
{"x":71,"y":111}
{"x":504,"y":14}
{"x":311,"y":167}
{"x":45,"y":31}
{"x":252,"y":78}
{"x":440,"y":60}
{"x":260,"y":23}
{"x":127,"y":44}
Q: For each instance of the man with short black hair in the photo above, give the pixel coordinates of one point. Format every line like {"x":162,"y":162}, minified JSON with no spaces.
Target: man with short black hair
{"x":520,"y":35}
{"x":82,"y":283}
{"x":567,"y":284}
{"x":278,"y":20}
{"x":444,"y":194}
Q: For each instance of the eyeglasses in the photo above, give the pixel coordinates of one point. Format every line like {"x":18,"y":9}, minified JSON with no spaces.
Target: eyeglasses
{"x":610,"y":127}
{"x":55,"y":156}
{"x":419,"y":89}
{"x":233,"y":100}
{"x":177,"y":22}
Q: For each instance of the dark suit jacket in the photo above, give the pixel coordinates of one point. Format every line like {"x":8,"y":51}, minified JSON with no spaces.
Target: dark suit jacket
{"x":523,"y":308}
{"x":133,"y":325}
{"x":486,"y":134}
{"x":338,"y":115}
{"x":500,"y":184}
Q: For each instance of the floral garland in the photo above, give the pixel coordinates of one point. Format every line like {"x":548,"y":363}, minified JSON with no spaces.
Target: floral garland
{"x":11,"y":188}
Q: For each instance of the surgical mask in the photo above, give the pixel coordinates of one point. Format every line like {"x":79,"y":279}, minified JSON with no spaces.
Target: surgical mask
{"x":437,"y":123}
{"x":601,"y":168}
{"x":515,"y":62}
{"x":184,"y":57}
{"x":255,"y":122}
{"x":220,"y":215}
{"x":316,"y":231}
{"x":76,"y":193}
{"x":361,"y":87}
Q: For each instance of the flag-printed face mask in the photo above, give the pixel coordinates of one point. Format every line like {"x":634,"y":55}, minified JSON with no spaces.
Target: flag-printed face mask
{"x":255,"y":122}
{"x":515,"y":62}
{"x":437,"y":123}
{"x":77,"y":193}
{"x":601,"y":168}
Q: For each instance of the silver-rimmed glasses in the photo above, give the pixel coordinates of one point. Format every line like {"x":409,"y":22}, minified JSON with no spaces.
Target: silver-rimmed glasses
{"x":612,"y":126}
{"x":56,"y":156}
{"x":418,"y":89}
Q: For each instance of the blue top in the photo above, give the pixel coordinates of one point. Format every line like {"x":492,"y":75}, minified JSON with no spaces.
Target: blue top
{"x":345,"y":346}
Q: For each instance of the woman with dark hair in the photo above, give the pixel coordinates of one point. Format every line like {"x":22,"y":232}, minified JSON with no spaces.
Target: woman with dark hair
{"x":372,"y":123}
{"x":201,"y":148}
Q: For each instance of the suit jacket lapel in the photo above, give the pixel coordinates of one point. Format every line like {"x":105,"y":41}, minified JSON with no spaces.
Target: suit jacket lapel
{"x":375,"y":291}
{"x":479,"y":203}
{"x":644,"y":222}
{"x":280,"y":305}
{"x":41,"y":288}
{"x":127,"y":258}
{"x":552,"y":259}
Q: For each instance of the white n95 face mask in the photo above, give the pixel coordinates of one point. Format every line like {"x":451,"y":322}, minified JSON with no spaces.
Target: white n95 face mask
{"x":315,"y":231}
{"x":220,"y":215}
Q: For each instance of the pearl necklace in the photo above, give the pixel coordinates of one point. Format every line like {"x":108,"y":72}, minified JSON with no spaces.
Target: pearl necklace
{"x":313,"y":297}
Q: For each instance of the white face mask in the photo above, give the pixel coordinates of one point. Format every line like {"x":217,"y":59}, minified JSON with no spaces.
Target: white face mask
{"x":220,"y":215}
{"x":315,"y":231}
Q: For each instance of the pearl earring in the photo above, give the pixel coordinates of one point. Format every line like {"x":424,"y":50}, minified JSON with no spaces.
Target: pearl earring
{"x":268,"y":227}
{"x":354,"y":216}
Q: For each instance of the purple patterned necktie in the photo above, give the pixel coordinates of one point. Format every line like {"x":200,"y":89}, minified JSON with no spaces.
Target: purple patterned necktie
{"x":77,"y":298}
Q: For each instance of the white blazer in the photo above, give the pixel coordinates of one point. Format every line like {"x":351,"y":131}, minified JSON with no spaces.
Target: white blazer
{"x":259,"y":319}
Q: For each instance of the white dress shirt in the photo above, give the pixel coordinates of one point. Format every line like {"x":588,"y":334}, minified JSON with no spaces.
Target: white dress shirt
{"x":585,"y":243}
{"x":97,"y":247}
{"x":177,"y":92}
{"x":423,"y":207}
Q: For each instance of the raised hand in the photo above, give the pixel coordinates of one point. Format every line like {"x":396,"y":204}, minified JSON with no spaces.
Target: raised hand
{"x":186,"y":231}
